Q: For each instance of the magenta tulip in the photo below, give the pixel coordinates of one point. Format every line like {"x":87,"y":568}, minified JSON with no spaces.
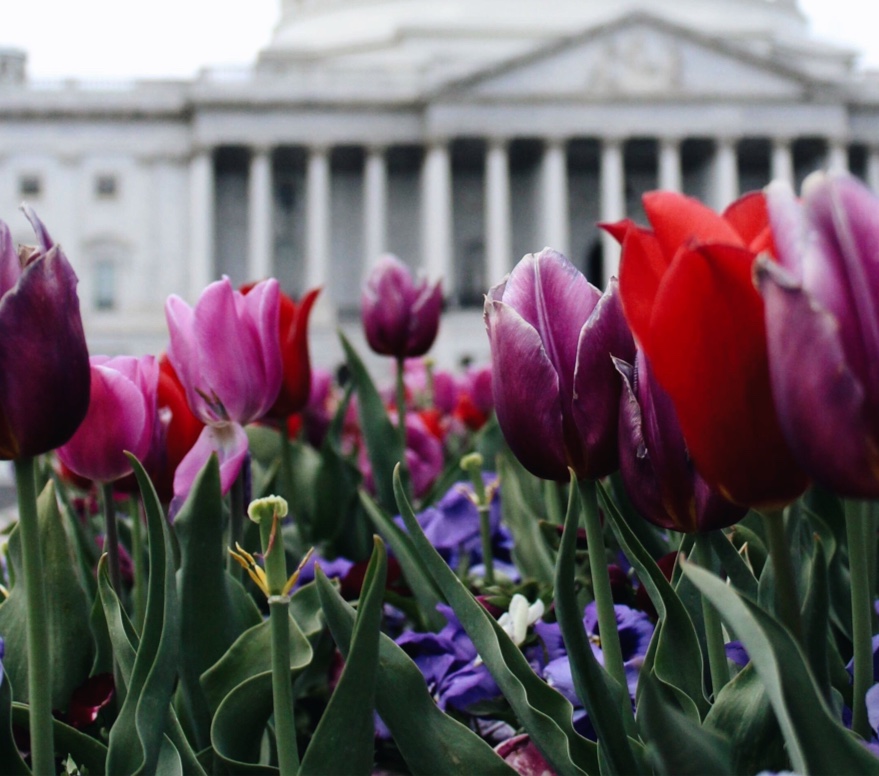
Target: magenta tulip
{"x":44,"y":365}
{"x":227,"y":354}
{"x":556,"y":391}
{"x":121,"y":418}
{"x":400,"y":316}
{"x":822,"y":327}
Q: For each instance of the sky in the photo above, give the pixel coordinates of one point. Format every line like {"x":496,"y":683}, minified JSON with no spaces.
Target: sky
{"x":110,"y":39}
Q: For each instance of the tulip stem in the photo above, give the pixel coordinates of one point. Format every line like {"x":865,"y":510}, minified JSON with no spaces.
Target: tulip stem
{"x":137,"y":550}
{"x":39,"y":659}
{"x":717,"y":662}
{"x":286,"y":463}
{"x":111,"y":537}
{"x":787,"y":604}
{"x":472,"y":464}
{"x":607,"y":619}
{"x":856,"y":514}
{"x":401,"y":421}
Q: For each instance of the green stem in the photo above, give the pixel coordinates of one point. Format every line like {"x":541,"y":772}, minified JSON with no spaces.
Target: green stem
{"x":552,"y":497}
{"x":607,"y":620}
{"x":485,"y":532}
{"x":472,"y":464}
{"x":855,"y":514}
{"x":787,"y":604}
{"x":401,"y":423}
{"x":111,"y":537}
{"x":286,"y":463}
{"x":137,"y":549}
{"x":717,"y":663}
{"x":39,"y":659}
{"x":282,"y":688}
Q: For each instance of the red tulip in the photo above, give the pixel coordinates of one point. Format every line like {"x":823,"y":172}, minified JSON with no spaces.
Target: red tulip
{"x":690,"y":299}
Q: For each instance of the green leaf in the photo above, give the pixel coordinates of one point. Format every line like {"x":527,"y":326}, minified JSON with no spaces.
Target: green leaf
{"x":734,"y":565}
{"x":87,"y":751}
{"x":71,"y":644}
{"x":674,"y":655}
{"x":816,"y":619}
{"x":382,"y":439}
{"x":543,"y":712}
{"x":430,"y":741}
{"x":420,"y":582}
{"x":214,"y":608}
{"x":136,"y":737}
{"x":676,"y":742}
{"x":345,"y":735}
{"x":240,"y":722}
{"x":816,"y":741}
{"x":9,"y":756}
{"x":600,"y":694}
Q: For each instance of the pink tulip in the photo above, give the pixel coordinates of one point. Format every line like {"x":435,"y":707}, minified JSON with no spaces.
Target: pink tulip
{"x":227,"y":354}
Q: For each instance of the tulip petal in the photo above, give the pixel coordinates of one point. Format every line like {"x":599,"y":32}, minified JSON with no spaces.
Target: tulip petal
{"x":821,"y":403}
{"x":708,"y":350}
{"x":296,"y":383}
{"x":681,"y":222}
{"x":424,"y":320}
{"x":228,"y":441}
{"x":10,"y":266}
{"x":183,"y":354}
{"x":596,"y":402}
{"x":749,"y":216}
{"x":261,"y":310}
{"x":526,"y":392}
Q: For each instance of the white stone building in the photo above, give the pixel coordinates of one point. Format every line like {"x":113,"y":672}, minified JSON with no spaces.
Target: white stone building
{"x":458,"y":134}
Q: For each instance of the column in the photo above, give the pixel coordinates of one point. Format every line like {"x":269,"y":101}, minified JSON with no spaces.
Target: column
{"x":726,"y":173}
{"x":201,"y":208}
{"x":669,"y":172}
{"x":375,"y":205}
{"x":837,"y":155}
{"x":873,"y":168}
{"x":436,"y":215}
{"x":498,"y":250}
{"x":554,"y":223}
{"x":613,"y":204}
{"x":317,"y":218}
{"x":259,"y":216}
{"x":783,"y":161}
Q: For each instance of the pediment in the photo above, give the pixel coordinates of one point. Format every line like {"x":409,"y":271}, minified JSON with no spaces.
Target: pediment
{"x":636,"y":57}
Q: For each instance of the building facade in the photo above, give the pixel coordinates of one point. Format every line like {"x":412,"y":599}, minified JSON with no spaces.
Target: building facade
{"x":458,"y":134}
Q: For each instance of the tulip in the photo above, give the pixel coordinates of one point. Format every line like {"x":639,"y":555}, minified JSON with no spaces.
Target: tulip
{"x":656,"y":470}
{"x":44,"y":367}
{"x":227,"y":355}
{"x":121,"y":418}
{"x":822,"y":326}
{"x":400,"y":315}
{"x":689,"y":297}
{"x":556,"y":392}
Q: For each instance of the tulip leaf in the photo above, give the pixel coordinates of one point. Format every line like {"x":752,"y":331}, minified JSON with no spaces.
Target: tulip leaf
{"x":137,"y":735}
{"x":816,"y":741}
{"x":417,"y":577}
{"x":382,"y":440}
{"x":9,"y":756}
{"x":70,"y":639}
{"x":214,"y":607}
{"x":86,"y":751}
{"x":733,"y":564}
{"x":543,"y":712}
{"x":240,"y":722}
{"x":429,"y":740}
{"x":676,"y":742}
{"x":674,"y":654}
{"x":600,"y":694}
{"x":815,"y":618}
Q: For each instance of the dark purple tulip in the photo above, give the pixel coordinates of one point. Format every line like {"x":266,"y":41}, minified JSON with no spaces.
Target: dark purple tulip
{"x":656,"y":469}
{"x":400,"y":316}
{"x":556,"y":392}
{"x":822,"y":327}
{"x":44,"y":362}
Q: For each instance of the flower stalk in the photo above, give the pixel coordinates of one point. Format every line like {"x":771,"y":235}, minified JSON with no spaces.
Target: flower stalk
{"x":472,"y":464}
{"x":787,"y":605}
{"x":111,"y":536}
{"x":717,"y":662}
{"x":856,"y":515}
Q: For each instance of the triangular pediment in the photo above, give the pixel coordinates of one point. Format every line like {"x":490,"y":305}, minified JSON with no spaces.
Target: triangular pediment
{"x":636,"y":57}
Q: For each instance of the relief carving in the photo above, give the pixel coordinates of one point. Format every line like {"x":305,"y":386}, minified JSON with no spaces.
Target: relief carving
{"x":634,"y":62}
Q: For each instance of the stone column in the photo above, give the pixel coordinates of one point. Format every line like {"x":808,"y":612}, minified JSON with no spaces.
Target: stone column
{"x":317,"y":218}
{"x":260,"y":237}
{"x":498,"y":239}
{"x":669,"y":172}
{"x":436,"y":215}
{"x":613,"y":204}
{"x":202,"y":216}
{"x":726,"y":172}
{"x":837,"y":155}
{"x":375,"y":205}
{"x":554,"y":219}
{"x":783,"y":161}
{"x":873,"y":168}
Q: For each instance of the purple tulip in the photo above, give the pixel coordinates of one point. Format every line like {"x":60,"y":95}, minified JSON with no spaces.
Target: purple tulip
{"x":657,"y":472}
{"x":121,"y":418}
{"x":227,"y":354}
{"x":822,"y":327}
{"x":44,"y":365}
{"x":400,"y":316}
{"x":556,"y":392}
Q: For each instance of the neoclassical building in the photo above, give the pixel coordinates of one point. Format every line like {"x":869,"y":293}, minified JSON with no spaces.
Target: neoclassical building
{"x":458,"y":134}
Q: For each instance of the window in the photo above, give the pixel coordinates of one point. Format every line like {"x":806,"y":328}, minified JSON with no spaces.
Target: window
{"x":106,"y":187}
{"x":30,"y":186}
{"x":105,"y":284}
